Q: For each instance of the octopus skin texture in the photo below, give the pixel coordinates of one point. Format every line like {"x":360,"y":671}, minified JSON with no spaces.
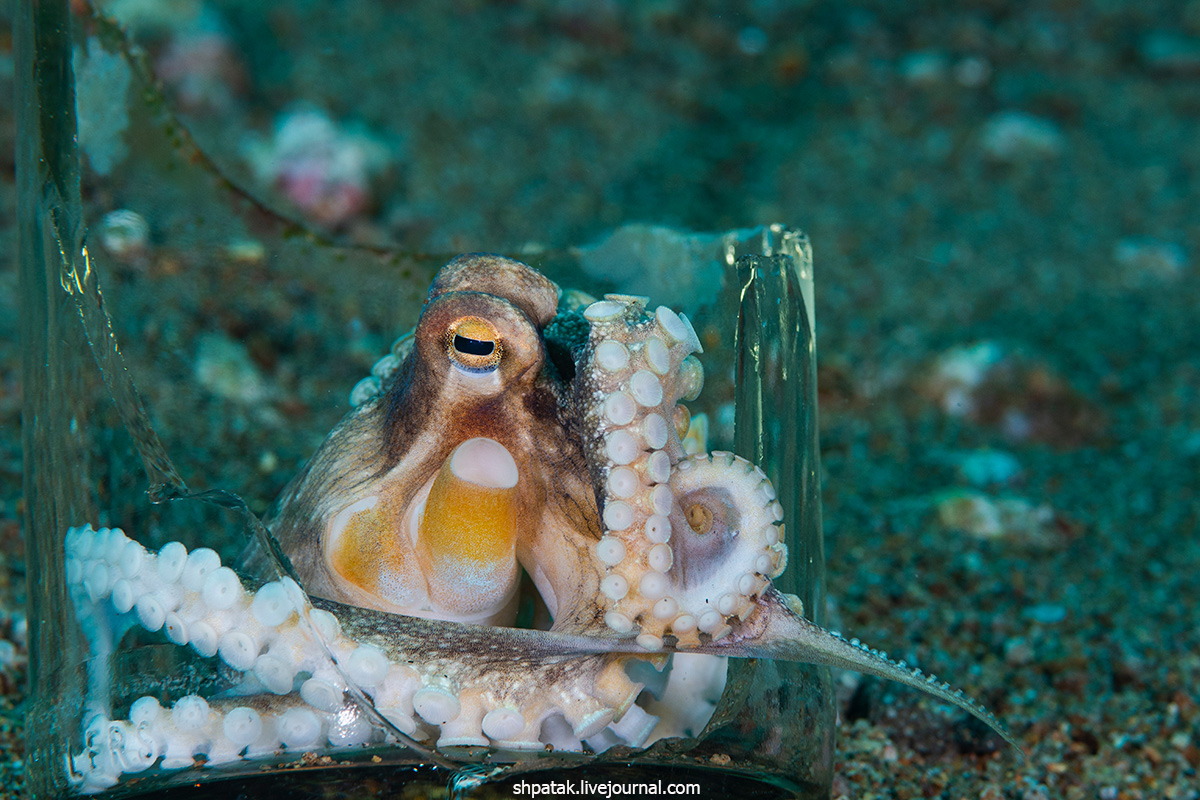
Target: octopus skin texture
{"x":514,"y":433}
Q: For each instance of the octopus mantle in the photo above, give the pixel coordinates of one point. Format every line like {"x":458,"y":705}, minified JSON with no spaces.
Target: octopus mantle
{"x":514,"y":433}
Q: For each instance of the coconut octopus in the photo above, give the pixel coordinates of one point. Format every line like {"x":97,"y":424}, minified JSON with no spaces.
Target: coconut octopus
{"x":514,"y":433}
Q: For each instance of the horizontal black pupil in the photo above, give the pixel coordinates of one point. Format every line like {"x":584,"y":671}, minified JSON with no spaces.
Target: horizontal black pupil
{"x":473,"y":347}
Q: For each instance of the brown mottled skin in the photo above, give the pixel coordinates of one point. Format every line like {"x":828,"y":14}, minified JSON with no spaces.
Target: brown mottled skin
{"x":402,"y":438}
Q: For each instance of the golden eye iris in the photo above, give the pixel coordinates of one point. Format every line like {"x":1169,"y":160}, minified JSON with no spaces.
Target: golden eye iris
{"x":474,"y":344}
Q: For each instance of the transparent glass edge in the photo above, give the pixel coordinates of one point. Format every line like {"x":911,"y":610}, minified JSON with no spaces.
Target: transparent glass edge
{"x":47,"y":168}
{"x":775,"y":239}
{"x":776,"y":425}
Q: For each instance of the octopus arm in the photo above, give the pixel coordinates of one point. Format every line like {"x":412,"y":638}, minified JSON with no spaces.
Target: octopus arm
{"x":778,"y":632}
{"x":401,"y":636}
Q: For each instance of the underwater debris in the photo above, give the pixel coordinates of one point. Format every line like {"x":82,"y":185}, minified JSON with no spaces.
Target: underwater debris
{"x":984,"y":467}
{"x":224,"y":367}
{"x":203,"y":71}
{"x":972,"y":72}
{"x":924,"y":68}
{"x":125,"y":234}
{"x":191,"y":48}
{"x":101,"y":82}
{"x":158,"y":18}
{"x":1170,"y":53}
{"x":1023,"y":397}
{"x":324,"y":169}
{"x":246,"y":251}
{"x":986,"y":516}
{"x":959,"y":372}
{"x":1147,"y":261}
{"x":1015,"y":136}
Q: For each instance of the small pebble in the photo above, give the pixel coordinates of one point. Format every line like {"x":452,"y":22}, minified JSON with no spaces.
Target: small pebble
{"x":246,"y":251}
{"x":324,"y":168}
{"x":1018,"y":652}
{"x":268,"y":462}
{"x":959,"y":371}
{"x":125,"y":234}
{"x":224,"y":367}
{"x":972,"y":72}
{"x":1145,"y":260}
{"x":984,"y":467}
{"x":1169,"y":52}
{"x":989,"y":517}
{"x":8,"y":654}
{"x":1016,"y":137}
{"x":751,"y":40}
{"x":1045,"y":613}
{"x":926,"y":68}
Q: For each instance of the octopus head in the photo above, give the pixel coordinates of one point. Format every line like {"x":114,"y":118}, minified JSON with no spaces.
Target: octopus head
{"x":415,"y":502}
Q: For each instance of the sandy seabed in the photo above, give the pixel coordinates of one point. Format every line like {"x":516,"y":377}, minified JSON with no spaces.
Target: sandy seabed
{"x":1002,"y":203}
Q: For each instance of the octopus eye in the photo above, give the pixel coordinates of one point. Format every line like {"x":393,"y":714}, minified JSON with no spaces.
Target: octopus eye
{"x":700,"y":518}
{"x":474,"y":344}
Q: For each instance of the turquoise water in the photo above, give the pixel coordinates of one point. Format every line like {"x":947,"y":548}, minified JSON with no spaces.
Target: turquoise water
{"x":1001,"y":204}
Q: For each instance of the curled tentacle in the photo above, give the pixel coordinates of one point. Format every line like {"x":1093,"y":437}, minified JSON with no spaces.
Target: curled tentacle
{"x":463,"y":686}
{"x":688,"y":542}
{"x":637,"y":368}
{"x":726,"y":548}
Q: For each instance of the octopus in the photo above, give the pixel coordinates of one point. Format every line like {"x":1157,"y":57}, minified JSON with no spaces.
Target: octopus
{"x":477,"y":558}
